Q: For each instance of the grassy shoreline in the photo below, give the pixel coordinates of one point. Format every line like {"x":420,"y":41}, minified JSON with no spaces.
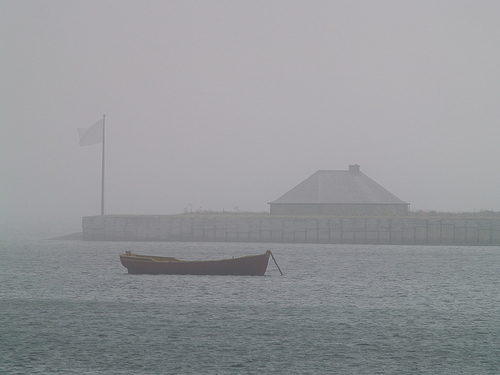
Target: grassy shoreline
{"x":481,"y":215}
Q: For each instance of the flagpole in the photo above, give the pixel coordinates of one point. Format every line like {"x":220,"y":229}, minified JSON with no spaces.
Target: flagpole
{"x":102,"y":177}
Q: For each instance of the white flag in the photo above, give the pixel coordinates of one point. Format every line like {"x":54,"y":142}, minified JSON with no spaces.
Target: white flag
{"x":92,"y":135}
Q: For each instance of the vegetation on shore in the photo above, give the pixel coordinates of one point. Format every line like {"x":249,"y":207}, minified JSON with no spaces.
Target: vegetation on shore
{"x":483,"y":214}
{"x":419,"y":214}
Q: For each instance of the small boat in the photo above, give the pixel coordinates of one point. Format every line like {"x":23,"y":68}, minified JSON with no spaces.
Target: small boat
{"x":252,"y":265}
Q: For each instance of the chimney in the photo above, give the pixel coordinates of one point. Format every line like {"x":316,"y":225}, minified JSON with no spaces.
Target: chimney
{"x":354,"y":168}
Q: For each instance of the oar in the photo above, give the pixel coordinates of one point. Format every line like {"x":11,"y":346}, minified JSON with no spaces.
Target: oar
{"x":272,"y":256}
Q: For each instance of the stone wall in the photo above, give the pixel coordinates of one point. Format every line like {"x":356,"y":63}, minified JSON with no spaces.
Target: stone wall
{"x":404,"y":231}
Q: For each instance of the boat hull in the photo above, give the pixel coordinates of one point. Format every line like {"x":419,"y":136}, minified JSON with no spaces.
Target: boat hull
{"x":253,"y":265}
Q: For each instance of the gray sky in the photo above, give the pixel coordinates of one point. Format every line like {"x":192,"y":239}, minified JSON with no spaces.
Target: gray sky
{"x":221,"y":104}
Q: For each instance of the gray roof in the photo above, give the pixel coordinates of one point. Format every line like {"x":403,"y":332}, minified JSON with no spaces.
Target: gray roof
{"x":339,"y":187}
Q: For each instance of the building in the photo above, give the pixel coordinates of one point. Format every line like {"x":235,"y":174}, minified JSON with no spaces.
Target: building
{"x":339,"y":193}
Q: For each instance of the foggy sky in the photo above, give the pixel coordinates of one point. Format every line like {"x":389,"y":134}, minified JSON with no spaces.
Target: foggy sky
{"x":224,"y":104}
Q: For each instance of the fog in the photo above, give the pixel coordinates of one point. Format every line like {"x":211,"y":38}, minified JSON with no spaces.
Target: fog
{"x":227,"y":105}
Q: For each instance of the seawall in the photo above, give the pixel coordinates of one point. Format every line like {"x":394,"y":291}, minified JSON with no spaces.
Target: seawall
{"x":334,"y":230}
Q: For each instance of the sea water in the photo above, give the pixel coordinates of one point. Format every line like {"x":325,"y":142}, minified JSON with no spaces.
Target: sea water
{"x":69,"y":307}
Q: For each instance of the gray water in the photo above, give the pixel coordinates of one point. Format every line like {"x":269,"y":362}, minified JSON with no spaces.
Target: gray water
{"x":69,"y":307}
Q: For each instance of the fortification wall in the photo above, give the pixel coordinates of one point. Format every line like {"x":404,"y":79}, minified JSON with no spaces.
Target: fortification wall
{"x":397,"y":231}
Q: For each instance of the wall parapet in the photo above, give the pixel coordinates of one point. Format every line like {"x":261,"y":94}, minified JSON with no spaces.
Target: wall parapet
{"x":287,"y":229}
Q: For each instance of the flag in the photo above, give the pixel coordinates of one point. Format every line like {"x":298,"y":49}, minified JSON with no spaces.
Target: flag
{"x":92,"y":135}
